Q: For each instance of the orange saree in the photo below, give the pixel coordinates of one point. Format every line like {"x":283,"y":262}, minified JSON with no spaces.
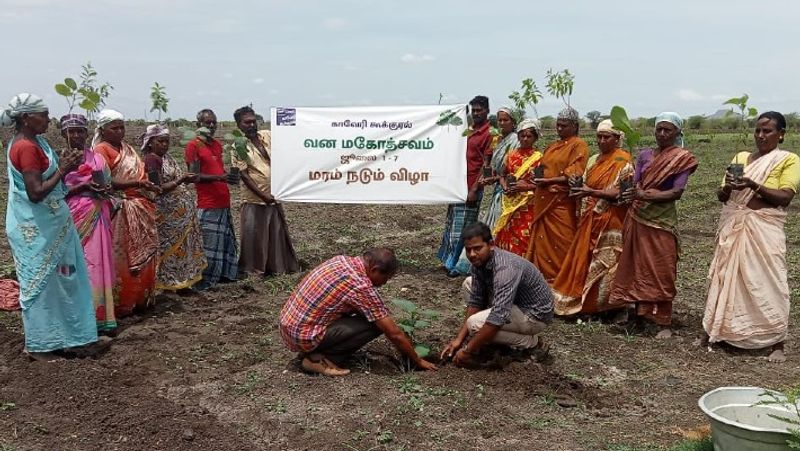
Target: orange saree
{"x":513,"y":227}
{"x":134,"y":232}
{"x":554,"y":213}
{"x":584,"y":282}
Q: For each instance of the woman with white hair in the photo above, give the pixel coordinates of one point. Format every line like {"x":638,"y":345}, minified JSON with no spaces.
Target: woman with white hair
{"x":586,"y":276}
{"x":135,"y":235}
{"x":55,"y":293}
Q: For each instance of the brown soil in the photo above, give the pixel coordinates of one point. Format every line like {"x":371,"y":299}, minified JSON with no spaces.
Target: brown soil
{"x":210,"y":372}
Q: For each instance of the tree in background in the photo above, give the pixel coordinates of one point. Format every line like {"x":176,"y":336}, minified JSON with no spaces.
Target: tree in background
{"x":594,"y":118}
{"x":695,"y":122}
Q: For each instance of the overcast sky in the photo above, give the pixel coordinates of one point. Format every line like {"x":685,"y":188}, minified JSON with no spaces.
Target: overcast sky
{"x":684,"y":55}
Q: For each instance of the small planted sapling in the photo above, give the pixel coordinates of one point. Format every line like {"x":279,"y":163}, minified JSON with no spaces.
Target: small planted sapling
{"x":160,"y":101}
{"x":560,"y":84}
{"x":88,"y":96}
{"x":620,"y":121}
{"x":528,"y":96}
{"x":412,"y":320}
{"x":790,"y":402}
{"x":746,"y":114}
{"x":619,"y":118}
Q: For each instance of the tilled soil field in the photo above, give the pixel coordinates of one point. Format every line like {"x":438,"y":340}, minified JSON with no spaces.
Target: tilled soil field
{"x":210,"y":371}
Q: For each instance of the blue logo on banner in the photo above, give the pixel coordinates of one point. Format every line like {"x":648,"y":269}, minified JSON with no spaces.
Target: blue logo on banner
{"x":286,"y":116}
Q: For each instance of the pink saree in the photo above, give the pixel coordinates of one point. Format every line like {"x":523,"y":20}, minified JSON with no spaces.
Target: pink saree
{"x":92,"y":216}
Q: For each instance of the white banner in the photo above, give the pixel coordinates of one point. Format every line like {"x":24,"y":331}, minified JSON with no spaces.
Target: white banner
{"x":371,"y":155}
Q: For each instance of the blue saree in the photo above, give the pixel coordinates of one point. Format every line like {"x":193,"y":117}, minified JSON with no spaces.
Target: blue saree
{"x":55,"y":294}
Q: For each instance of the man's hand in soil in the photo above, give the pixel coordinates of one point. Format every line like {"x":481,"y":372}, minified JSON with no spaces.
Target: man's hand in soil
{"x":425,"y":365}
{"x":451,"y":349}
{"x":462,"y":358}
{"x":400,"y":341}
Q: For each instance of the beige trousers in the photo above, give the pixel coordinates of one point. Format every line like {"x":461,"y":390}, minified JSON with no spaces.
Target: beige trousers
{"x":521,"y":333}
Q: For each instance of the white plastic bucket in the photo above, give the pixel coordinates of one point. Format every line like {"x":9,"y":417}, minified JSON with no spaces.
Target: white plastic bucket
{"x":738,"y":424}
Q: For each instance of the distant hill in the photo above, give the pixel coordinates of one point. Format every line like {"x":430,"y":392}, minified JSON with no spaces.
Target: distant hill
{"x":722,"y":114}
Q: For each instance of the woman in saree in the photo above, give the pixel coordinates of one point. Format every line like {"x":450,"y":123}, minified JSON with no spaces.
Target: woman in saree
{"x":648,"y":265}
{"x":181,"y":258}
{"x":586,"y":276}
{"x":54,"y":290}
{"x":134,"y":225}
{"x":507,"y":142}
{"x":748,"y":293}
{"x":554,"y":212}
{"x":91,"y":206}
{"x":513,"y":227}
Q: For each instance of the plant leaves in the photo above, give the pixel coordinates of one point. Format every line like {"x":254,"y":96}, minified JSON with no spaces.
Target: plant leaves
{"x":421,"y":324}
{"x":63,"y":90}
{"x":406,"y":328}
{"x":430,"y":314}
{"x":422,"y":350}
{"x":88,"y":105}
{"x":737,"y":101}
{"x":71,"y":83}
{"x":93,"y":96}
{"x":405,"y":305}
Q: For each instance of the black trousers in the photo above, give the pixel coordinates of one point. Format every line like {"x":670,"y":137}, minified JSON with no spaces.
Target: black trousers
{"x":345,"y":336}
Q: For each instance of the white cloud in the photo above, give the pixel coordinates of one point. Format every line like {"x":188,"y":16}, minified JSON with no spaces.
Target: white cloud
{"x":721,"y":97}
{"x":689,"y":95}
{"x":258,"y":81}
{"x":273,"y":91}
{"x":416,"y":59}
{"x":334,"y":24}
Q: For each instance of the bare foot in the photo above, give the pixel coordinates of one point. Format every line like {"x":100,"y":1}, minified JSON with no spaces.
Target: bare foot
{"x":663,"y":334}
{"x":777,"y":356}
{"x":701,"y":341}
{"x":621,"y":318}
{"x":43,"y":356}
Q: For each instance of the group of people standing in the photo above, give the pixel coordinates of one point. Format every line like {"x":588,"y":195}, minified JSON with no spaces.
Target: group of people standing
{"x":603,"y":230}
{"x":97,"y":230}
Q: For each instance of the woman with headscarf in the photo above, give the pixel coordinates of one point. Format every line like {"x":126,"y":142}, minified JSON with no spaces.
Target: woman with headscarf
{"x":181,"y":258}
{"x":91,"y":206}
{"x":647,"y":268}
{"x":134,"y":226}
{"x":55,"y":294}
{"x":748,"y":293}
{"x":586,"y":276}
{"x":506,"y":123}
{"x":554,"y":212}
{"x":513,"y":227}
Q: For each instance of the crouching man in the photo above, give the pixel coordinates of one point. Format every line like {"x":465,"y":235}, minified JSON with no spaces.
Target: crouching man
{"x":508,"y":300}
{"x":336,"y":309}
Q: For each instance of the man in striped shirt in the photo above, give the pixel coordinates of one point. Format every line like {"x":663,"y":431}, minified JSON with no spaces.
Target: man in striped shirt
{"x":336,"y":309}
{"x":508,"y":300}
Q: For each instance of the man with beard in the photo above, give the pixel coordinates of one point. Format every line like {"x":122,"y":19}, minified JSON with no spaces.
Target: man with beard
{"x":204,"y":158}
{"x":266,"y":246}
{"x":460,"y":215}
